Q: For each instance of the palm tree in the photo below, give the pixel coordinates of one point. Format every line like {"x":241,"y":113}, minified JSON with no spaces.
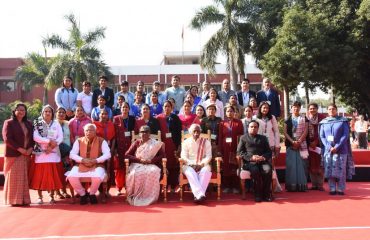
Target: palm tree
{"x":232,"y":39}
{"x":35,"y":71}
{"x":80,"y":58}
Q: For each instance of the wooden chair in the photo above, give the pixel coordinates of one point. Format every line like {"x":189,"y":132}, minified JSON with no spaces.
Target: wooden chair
{"x":244,"y":175}
{"x":216,"y":176}
{"x":163,"y":181}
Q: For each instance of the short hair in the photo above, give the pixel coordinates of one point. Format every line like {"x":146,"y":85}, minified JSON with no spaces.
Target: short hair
{"x":315,"y":105}
{"x":246,"y":80}
{"x":156,"y":82}
{"x":154,"y":94}
{"x":266,"y":80}
{"x":138,"y":93}
{"x":102,"y":96}
{"x":297,"y":104}
{"x":103,"y":77}
{"x":124,"y":83}
{"x":176,"y":76}
{"x":140,"y":82}
{"x":332,"y":105}
{"x":193,"y":126}
{"x":87,"y":126}
{"x":254,"y":121}
{"x":86,"y":83}
{"x":121,"y":96}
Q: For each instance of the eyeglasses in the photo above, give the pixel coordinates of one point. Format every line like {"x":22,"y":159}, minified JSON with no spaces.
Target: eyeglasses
{"x":144,"y":132}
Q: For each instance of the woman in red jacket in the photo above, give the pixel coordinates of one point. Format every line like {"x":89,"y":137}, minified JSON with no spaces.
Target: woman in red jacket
{"x":18,"y":138}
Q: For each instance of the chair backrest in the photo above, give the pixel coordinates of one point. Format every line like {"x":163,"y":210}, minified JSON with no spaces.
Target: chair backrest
{"x":153,"y":136}
{"x":185,"y":136}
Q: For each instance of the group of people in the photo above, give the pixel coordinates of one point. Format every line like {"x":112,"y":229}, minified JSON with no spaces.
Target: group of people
{"x":90,"y":135}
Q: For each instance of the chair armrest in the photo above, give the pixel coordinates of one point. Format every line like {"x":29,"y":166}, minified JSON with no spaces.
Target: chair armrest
{"x":218,"y":164}
{"x":127,"y":163}
{"x":181,"y":161}
{"x":239,"y":160}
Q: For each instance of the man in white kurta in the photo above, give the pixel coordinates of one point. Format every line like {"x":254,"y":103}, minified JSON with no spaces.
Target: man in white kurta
{"x":197,"y":155}
{"x":97,"y":174}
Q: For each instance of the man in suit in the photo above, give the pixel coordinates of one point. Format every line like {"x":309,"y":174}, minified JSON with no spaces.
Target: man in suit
{"x":105,"y":91}
{"x":245,"y":94}
{"x":256,"y":154}
{"x":270,"y":95}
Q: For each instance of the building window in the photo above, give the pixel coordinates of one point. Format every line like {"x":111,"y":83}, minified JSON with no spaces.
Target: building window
{"x":255,"y":87}
{"x":7,"y":85}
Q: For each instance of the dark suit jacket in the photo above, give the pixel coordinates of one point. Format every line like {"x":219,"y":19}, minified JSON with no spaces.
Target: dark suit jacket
{"x":14,"y":137}
{"x":273,"y":98}
{"x":108,"y":94}
{"x":249,"y":146}
{"x":240,"y":96}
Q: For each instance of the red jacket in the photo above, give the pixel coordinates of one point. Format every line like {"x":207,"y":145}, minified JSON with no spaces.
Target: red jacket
{"x":14,"y":137}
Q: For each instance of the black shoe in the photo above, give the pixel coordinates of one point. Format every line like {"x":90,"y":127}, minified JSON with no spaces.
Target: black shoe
{"x":267,"y":199}
{"x":340,"y":193}
{"x":84,"y":199}
{"x":258,"y":199}
{"x":93,"y":199}
{"x":332,"y":192}
{"x":200,"y":200}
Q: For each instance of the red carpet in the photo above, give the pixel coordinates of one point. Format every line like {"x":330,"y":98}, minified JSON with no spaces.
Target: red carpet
{"x":312,"y":215}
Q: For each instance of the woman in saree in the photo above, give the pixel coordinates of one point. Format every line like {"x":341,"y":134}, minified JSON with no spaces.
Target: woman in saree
{"x":295,"y":132}
{"x":144,"y":174}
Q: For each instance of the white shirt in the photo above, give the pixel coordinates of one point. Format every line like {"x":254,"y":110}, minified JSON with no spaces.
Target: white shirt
{"x":270,"y":129}
{"x":189,"y":152}
{"x":86,"y":100}
{"x":55,"y":133}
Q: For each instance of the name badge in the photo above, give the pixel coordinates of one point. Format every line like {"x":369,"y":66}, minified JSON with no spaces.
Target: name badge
{"x":213,"y":136}
{"x":168,"y":135}
{"x":127,"y":134}
{"x":229,"y":140}
{"x":331,"y":138}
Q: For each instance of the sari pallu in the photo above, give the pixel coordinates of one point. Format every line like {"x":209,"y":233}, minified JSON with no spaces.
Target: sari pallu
{"x":295,"y":172}
{"x":142,"y":183}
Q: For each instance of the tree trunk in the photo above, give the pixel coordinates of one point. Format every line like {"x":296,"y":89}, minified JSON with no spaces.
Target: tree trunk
{"x":286,"y":102}
{"x":307,"y":97}
{"x":233,"y":75}
{"x":45,"y":97}
{"x":332,"y":95}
